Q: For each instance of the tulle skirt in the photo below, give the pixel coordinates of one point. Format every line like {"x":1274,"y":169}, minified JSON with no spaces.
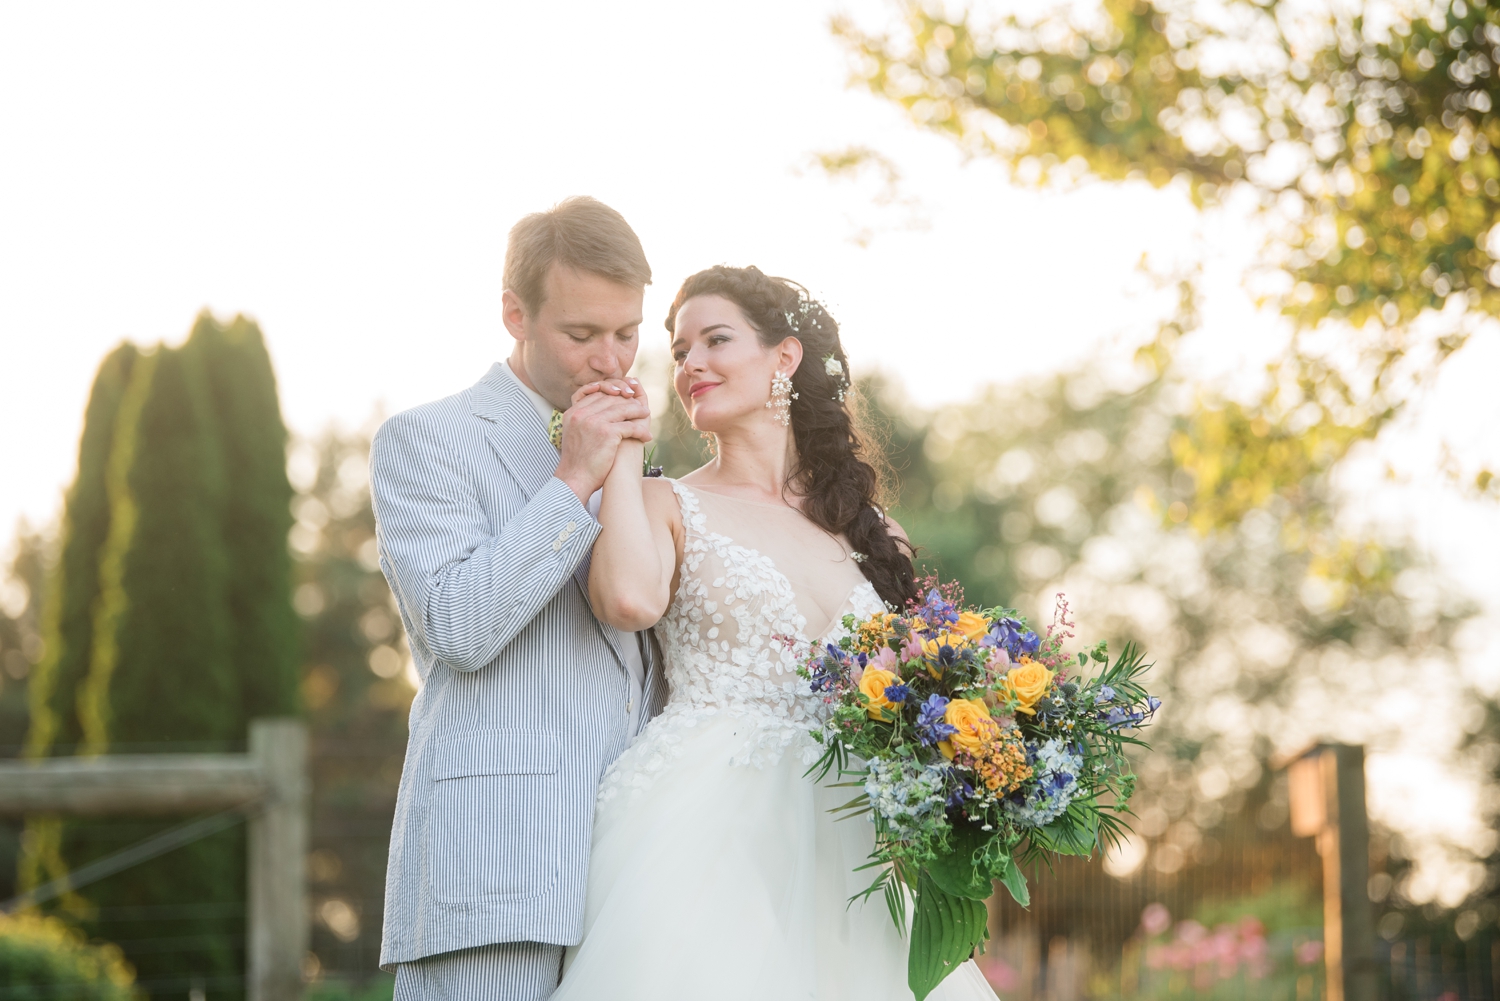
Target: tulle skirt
{"x":711,"y":879}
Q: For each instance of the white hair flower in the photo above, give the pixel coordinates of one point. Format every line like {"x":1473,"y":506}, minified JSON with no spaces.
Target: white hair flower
{"x":833,"y":367}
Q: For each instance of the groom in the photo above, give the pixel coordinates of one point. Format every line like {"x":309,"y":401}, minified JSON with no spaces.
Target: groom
{"x":484,"y":525}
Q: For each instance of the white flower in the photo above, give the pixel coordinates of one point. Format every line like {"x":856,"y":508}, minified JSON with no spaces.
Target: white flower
{"x":833,"y":367}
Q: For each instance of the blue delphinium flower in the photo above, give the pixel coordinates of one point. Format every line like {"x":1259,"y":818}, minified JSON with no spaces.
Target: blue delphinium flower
{"x":1118,"y":717}
{"x":1106,"y":694}
{"x":931,"y":727}
{"x":1016,"y":639}
{"x":897,"y":693}
{"x":937,"y":612}
{"x":1152,"y":704}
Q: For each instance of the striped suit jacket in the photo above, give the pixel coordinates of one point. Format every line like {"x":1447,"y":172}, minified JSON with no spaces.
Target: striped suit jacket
{"x":524,"y":695}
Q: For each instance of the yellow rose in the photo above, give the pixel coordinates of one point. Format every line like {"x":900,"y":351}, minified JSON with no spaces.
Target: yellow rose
{"x":971,"y":718}
{"x":973,"y":625}
{"x":1028,"y":681}
{"x":872,"y":685}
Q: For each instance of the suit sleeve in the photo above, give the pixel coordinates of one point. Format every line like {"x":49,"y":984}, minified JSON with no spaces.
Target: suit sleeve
{"x":466,"y":590}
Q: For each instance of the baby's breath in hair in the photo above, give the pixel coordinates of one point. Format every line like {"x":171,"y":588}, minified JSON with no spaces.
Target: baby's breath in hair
{"x":835,"y":370}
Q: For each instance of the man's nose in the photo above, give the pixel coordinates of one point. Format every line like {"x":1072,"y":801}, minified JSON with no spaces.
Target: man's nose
{"x":607,"y":363}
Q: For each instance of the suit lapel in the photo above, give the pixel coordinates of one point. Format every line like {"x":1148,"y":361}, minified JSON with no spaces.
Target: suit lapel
{"x":520,"y":439}
{"x":515,"y":429}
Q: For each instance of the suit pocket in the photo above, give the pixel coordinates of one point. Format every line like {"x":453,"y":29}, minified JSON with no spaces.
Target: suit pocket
{"x":495,"y":815}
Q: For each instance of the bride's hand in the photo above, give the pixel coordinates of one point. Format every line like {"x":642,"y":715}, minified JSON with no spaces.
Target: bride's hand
{"x":627,"y":388}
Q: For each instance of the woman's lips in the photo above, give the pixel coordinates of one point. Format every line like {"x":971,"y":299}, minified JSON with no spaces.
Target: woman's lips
{"x":697,"y":389}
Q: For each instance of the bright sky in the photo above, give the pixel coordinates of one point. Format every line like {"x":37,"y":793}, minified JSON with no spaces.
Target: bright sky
{"x":346,"y":174}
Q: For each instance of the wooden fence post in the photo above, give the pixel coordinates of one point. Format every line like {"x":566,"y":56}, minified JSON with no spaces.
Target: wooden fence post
{"x":1327,"y":793}
{"x":278,"y":915}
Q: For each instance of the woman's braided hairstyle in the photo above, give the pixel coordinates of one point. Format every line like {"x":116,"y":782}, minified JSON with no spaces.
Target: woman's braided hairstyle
{"x":840,"y":490}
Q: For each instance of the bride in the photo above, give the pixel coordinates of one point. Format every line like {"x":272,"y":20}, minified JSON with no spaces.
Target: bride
{"x":717,"y":870}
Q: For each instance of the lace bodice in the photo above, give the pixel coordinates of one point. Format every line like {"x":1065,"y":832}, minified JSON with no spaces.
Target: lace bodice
{"x":737,"y":628}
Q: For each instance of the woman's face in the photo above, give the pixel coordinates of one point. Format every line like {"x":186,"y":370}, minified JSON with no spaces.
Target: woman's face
{"x":723,"y":373}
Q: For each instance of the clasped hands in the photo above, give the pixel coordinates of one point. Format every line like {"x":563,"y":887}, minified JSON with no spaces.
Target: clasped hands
{"x":602,"y":416}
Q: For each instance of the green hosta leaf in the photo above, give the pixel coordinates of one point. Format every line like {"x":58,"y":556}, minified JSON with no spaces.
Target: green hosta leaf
{"x":1014,"y":880}
{"x":944,"y":932}
{"x":1076,"y":832}
{"x":957,"y":873}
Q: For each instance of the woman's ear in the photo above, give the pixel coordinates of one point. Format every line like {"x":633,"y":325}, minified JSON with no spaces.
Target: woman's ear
{"x":789,"y":356}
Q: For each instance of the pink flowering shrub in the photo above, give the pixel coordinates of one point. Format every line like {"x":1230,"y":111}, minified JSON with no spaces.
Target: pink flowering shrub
{"x":1240,"y":951}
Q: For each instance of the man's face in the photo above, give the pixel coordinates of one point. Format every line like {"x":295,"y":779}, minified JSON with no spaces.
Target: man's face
{"x":587,"y":329}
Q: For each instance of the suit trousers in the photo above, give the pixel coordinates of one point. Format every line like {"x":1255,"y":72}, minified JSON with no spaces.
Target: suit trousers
{"x":507,"y":971}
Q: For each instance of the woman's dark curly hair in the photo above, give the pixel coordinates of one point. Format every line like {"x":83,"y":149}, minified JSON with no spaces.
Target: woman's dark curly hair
{"x":839,"y":488}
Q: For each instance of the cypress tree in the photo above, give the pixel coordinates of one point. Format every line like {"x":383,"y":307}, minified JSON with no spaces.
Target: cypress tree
{"x":161,"y":669}
{"x":257,"y":514}
{"x":73,"y":596}
{"x":74,"y":587}
{"x":161,"y":673}
{"x":174,"y":627}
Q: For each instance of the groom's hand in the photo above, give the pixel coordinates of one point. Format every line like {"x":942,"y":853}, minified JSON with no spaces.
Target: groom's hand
{"x":602,"y":415}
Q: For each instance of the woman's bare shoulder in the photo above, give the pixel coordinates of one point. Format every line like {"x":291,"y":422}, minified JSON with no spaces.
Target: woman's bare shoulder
{"x":660,"y":498}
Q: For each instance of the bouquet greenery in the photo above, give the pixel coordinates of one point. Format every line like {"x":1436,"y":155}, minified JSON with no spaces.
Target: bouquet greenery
{"x":978,"y":748}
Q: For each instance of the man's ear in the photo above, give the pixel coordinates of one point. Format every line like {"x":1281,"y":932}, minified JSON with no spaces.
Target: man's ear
{"x":513,"y":314}
{"x":789,"y":356}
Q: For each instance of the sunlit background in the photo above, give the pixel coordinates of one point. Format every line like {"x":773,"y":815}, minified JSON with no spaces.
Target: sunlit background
{"x":345,"y":176}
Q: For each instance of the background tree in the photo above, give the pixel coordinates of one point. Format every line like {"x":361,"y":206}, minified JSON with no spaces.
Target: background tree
{"x":257,"y":514}
{"x":357,"y":687}
{"x":190,"y":632}
{"x":1365,"y":135}
{"x":68,"y":630}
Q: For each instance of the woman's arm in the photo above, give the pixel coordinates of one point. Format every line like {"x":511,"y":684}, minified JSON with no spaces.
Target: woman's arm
{"x":635,"y":556}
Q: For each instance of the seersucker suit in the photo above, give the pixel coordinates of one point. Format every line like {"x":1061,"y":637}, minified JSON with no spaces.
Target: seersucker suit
{"x":524,"y":700}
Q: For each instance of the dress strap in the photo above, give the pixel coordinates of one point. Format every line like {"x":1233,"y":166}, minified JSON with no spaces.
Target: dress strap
{"x":692,"y":514}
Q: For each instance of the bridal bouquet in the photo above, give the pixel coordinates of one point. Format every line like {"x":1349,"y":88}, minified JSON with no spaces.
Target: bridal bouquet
{"x":983,"y":747}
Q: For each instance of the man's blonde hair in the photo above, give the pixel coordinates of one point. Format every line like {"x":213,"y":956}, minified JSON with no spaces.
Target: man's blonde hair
{"x":581,"y":233}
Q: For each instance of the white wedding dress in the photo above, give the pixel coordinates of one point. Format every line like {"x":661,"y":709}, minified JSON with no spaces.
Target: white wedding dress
{"x":717,"y":870}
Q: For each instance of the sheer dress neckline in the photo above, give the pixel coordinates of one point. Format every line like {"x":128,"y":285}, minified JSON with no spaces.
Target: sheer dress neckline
{"x":737,"y":630}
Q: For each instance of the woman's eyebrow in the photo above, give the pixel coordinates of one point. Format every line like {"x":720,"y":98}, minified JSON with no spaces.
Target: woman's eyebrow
{"x":716,"y":326}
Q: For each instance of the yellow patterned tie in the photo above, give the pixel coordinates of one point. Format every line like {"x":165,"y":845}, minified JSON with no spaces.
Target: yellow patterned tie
{"x":554,"y":429}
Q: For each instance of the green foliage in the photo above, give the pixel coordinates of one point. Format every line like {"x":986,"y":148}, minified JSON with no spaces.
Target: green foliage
{"x":162,"y":672}
{"x":1369,"y":147}
{"x":161,"y":669}
{"x":68,"y":630}
{"x":172,"y":626}
{"x":1392,"y":126}
{"x":355,"y":689}
{"x":43,"y":959}
{"x":257,"y":514}
{"x":1282,"y":907}
{"x":945,"y":931}
{"x":963,"y":872}
{"x":379,"y":989}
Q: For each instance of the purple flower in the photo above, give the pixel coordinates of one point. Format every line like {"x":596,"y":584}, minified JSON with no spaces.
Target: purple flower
{"x":937,"y":612}
{"x":1117,"y":718}
{"x":897,"y":693}
{"x":1152,"y":703}
{"x":931,"y":726}
{"x":1014,"y":637}
{"x":1106,"y":694}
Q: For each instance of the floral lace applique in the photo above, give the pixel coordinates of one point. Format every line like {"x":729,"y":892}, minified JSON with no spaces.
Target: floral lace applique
{"x":732,"y":639}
